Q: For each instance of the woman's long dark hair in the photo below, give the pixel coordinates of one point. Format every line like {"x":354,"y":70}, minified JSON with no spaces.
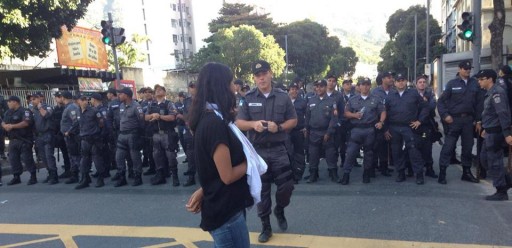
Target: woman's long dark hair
{"x":213,"y":86}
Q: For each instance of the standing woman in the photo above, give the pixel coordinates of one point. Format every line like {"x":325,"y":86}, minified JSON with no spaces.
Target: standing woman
{"x":221,"y":162}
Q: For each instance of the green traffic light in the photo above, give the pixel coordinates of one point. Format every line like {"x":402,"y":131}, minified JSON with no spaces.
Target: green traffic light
{"x":106,"y":40}
{"x":468,"y":34}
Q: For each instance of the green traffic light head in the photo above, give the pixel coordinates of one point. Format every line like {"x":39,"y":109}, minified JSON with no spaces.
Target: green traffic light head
{"x":106,"y":40}
{"x":468,"y":34}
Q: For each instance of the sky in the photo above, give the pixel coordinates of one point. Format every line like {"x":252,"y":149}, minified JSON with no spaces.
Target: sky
{"x":327,"y":12}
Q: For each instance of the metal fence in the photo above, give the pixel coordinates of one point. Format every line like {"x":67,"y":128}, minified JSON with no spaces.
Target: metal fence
{"x":23,"y":93}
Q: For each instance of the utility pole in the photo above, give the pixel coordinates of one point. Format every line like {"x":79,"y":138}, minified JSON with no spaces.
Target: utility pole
{"x":183,"y":40}
{"x":286,"y":50}
{"x":477,"y":35}
{"x":427,"y":52}
{"x":114,"y":49}
{"x":415,"y":44}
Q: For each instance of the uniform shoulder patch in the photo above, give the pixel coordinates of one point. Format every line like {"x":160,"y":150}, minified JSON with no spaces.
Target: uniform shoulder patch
{"x":27,"y":113}
{"x":139,"y":109}
{"x":497,"y":98}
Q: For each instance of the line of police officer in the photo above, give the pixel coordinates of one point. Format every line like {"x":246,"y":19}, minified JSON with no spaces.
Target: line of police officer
{"x":86,"y":131}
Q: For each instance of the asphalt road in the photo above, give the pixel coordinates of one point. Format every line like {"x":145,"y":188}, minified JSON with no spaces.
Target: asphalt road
{"x":381,"y":214}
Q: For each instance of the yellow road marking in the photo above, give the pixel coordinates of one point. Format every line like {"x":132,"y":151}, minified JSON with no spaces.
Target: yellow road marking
{"x":32,"y":242}
{"x":187,"y":236}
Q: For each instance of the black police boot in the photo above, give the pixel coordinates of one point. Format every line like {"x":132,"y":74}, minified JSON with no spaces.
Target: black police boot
{"x":429,"y":172}
{"x":468,"y":176}
{"x":65,"y":174}
{"x":158,"y":179}
{"x":121,"y":181}
{"x":84,"y":183}
{"x":190,"y":181}
{"x":313,"y":176}
{"x":176,"y":179}
{"x":366,"y":176}
{"x":500,"y":195}
{"x":419,"y":179}
{"x":150,"y":171}
{"x":15,"y":180}
{"x":401,"y":176}
{"x":116,"y":177}
{"x":481,"y":173}
{"x":137,"y":180}
{"x":333,"y":174}
{"x":281,"y":220}
{"x":266,"y":231}
{"x":54,"y":179}
{"x":33,"y":179}
{"x":345,"y":179}
{"x":73,"y":178}
{"x":99,"y":182}
{"x":442,"y":175}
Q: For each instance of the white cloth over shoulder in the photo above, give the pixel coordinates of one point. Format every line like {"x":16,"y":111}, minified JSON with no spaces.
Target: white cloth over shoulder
{"x":256,"y":166}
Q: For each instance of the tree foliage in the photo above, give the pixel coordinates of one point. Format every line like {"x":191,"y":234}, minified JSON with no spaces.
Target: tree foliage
{"x":235,"y":15}
{"x":238,"y":48}
{"x":128,"y":53}
{"x":28,"y":27}
{"x":398,"y":53}
{"x":310,"y":48}
{"x":343,"y":62}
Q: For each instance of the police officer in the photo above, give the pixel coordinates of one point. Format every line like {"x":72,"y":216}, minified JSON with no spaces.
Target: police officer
{"x":69,"y":127}
{"x":106,"y":132}
{"x":496,"y":123}
{"x":406,"y":110}
{"x":427,"y":129}
{"x":366,"y":113}
{"x":147,"y":149}
{"x":457,"y":106}
{"x":321,"y":128}
{"x":189,"y":139}
{"x":239,"y":83}
{"x":129,"y":143}
{"x":267,"y":115}
{"x":45,"y":142}
{"x":60,"y":143}
{"x":180,"y":123}
{"x":340,"y":137}
{"x":17,"y":122}
{"x":295,"y":141}
{"x":381,"y":145}
{"x":90,"y":122}
{"x":161,"y":116}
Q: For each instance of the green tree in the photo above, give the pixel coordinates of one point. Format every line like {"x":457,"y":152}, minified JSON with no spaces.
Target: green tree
{"x":238,"y":48}
{"x":28,"y":27}
{"x":129,"y":53}
{"x":343,"y":62}
{"x":310,"y":48}
{"x":235,"y":15}
{"x":398,"y":53}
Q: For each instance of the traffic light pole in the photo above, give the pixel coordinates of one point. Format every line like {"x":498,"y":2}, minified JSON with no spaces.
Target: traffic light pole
{"x":477,"y":36}
{"x":114,"y":52}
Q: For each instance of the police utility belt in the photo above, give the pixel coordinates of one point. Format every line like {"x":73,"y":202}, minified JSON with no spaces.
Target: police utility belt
{"x":493,"y":130}
{"x":459,"y":115}
{"x":368,"y":125}
{"x":268,"y":144}
{"x":133,"y":131}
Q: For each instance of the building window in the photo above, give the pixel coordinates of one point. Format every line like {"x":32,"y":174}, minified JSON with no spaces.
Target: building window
{"x":174,"y":38}
{"x":179,"y":7}
{"x":177,"y":55}
{"x":186,"y":10}
{"x":181,"y":38}
{"x":180,"y":23}
{"x":188,"y":24}
{"x":189,"y":40}
{"x":173,"y":22}
{"x":173,"y":6}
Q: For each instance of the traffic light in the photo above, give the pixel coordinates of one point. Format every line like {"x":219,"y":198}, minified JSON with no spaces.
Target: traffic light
{"x":119,"y":37}
{"x":106,"y":31}
{"x":466,"y":27}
